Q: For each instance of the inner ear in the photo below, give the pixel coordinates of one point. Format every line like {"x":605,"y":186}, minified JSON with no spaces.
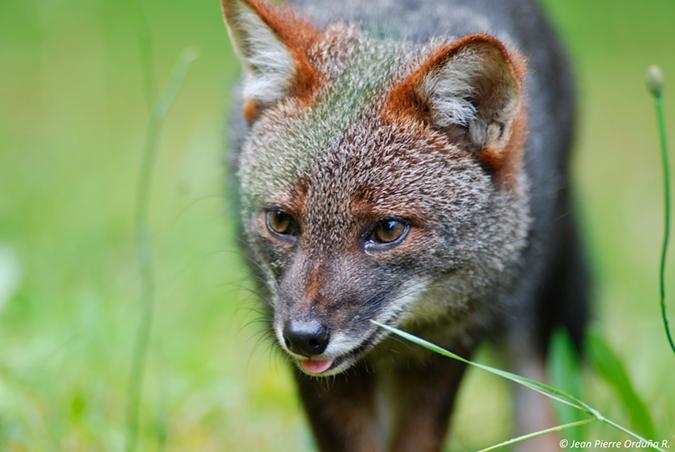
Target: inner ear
{"x":471,"y":90}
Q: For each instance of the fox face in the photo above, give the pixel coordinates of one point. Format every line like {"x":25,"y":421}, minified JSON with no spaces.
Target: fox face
{"x":380,"y":180}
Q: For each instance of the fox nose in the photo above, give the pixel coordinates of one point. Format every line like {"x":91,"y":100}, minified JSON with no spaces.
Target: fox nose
{"x":306,"y":338}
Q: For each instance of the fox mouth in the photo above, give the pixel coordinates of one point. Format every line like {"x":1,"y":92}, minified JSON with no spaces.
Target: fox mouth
{"x":322,"y":367}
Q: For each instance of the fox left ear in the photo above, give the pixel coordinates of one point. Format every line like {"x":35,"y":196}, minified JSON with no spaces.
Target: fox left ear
{"x":471,"y":90}
{"x":272,"y":42}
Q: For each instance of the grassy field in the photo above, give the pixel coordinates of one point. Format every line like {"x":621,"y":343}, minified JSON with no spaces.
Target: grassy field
{"x":72,"y":124}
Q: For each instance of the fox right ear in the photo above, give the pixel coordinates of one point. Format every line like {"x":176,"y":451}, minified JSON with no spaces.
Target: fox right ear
{"x":272,"y":43}
{"x":471,"y":90}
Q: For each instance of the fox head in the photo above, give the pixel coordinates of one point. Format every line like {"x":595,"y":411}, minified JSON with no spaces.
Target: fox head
{"x":380,"y":179}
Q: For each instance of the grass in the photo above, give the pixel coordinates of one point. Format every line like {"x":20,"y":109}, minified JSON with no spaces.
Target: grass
{"x":551,"y":392}
{"x":72,"y":120}
{"x":147,"y":291}
{"x":655,"y":86}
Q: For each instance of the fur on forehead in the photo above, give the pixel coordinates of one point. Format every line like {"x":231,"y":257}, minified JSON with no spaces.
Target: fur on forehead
{"x":382,"y":169}
{"x":393,"y":169}
{"x":351,"y":108}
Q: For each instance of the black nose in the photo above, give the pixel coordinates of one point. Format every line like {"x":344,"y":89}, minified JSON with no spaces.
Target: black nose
{"x":306,"y":338}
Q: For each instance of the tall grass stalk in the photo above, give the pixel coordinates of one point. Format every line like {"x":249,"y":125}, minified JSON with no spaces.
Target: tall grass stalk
{"x":147,"y":290}
{"x":534,"y":385}
{"x":655,"y":86}
{"x":557,"y":428}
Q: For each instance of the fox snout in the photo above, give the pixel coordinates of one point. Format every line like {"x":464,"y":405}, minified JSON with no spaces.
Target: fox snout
{"x":315,"y":324}
{"x":321,"y":348}
{"x":313,"y":344}
{"x":322,"y":311}
{"x":324,"y":306}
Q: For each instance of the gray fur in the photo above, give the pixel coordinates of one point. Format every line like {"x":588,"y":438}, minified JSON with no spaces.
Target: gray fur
{"x":483,"y":259}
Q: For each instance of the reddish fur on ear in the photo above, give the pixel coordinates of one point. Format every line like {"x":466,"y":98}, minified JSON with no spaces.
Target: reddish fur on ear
{"x":404,"y":103}
{"x":250,"y":110}
{"x":296,"y":33}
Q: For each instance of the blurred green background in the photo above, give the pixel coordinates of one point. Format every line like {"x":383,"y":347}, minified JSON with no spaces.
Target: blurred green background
{"x":72,"y":124}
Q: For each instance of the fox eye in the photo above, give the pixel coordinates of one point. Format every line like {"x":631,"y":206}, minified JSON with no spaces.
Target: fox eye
{"x":281,"y":224}
{"x":387,"y":234}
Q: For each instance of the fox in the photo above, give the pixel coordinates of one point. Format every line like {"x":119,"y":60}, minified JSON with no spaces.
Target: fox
{"x":405,"y":162}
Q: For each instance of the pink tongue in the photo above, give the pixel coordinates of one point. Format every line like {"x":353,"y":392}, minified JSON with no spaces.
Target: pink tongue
{"x":316,"y":366}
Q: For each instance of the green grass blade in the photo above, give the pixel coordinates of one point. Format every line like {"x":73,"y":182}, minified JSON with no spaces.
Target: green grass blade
{"x":146,"y":299}
{"x":537,"y":386}
{"x":534,"y":385}
{"x":565,"y":373}
{"x":607,"y":364}
{"x":655,"y":86}
{"x":570,"y":426}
